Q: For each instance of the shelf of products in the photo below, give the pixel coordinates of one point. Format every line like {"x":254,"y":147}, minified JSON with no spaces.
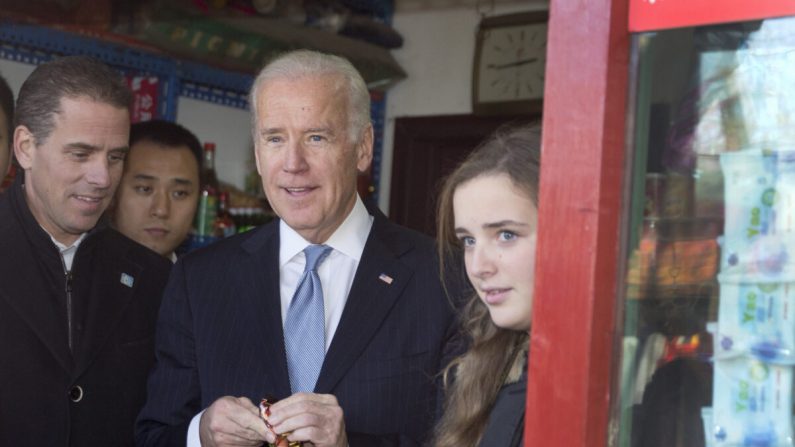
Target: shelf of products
{"x":168,"y":77}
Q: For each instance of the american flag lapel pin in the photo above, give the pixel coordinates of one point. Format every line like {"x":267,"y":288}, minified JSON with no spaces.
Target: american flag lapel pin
{"x":385,"y":278}
{"x":127,"y":280}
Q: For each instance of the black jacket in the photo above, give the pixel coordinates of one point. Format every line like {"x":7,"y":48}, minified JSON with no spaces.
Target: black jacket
{"x":89,"y":395}
{"x":506,"y":421}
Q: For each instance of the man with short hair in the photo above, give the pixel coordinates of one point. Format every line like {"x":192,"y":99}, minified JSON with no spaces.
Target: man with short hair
{"x":78,"y":301}
{"x":158,"y":194}
{"x":332,"y":312}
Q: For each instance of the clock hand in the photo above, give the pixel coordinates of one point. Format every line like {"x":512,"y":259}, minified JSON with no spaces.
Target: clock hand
{"x":512,"y":64}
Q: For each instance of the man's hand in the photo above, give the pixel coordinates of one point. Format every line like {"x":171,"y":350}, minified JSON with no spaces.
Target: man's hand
{"x":316,"y":418}
{"x":232,"y":421}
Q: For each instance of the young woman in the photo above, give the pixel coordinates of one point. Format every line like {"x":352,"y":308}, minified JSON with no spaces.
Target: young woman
{"x":488,"y":210}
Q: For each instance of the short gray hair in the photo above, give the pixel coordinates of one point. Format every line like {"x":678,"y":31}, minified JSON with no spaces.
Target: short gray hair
{"x":307,"y":63}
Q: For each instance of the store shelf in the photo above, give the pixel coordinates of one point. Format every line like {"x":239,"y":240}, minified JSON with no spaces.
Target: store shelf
{"x":214,"y":95}
{"x":36,"y":44}
{"x":32,"y":44}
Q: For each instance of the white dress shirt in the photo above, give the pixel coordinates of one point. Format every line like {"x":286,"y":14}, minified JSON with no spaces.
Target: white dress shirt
{"x":336,"y":274}
{"x":67,"y":253}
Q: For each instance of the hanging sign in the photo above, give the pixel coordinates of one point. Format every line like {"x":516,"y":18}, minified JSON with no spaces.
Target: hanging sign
{"x":145,"y":90}
{"x":650,"y":15}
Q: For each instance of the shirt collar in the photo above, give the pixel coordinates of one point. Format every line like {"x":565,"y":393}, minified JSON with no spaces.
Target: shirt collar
{"x":63,"y":247}
{"x":349,"y":238}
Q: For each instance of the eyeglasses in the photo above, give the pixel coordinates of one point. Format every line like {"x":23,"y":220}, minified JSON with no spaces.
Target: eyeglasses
{"x":281,"y":440}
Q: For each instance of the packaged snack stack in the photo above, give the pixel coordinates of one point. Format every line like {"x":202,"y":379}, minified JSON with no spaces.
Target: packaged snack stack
{"x":755,"y":338}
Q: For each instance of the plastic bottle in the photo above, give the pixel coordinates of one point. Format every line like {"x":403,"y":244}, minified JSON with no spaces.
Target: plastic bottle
{"x":208,"y":197}
{"x":224,"y":224}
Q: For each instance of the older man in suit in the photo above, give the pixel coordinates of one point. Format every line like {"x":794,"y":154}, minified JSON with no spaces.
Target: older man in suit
{"x":78,"y":301}
{"x":332,"y":311}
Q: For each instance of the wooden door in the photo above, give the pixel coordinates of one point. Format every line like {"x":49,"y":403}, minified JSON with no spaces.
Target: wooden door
{"x":426,"y":149}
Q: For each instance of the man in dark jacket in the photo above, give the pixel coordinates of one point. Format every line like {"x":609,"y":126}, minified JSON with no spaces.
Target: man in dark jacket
{"x":78,"y":301}
{"x":332,"y":310}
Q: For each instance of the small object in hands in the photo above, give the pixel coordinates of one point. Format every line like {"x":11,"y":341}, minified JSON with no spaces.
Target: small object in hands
{"x":281,"y":440}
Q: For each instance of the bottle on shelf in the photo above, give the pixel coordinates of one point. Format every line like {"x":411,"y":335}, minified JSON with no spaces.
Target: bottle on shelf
{"x":208,"y":198}
{"x":224,"y":224}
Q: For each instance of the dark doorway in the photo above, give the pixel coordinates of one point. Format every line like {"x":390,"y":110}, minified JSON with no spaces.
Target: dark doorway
{"x":426,"y":149}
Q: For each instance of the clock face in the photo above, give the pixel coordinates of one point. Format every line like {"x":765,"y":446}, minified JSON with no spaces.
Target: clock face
{"x":511,"y":63}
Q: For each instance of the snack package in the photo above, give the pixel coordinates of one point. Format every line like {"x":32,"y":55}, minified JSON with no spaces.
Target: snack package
{"x":751,"y":403}
{"x":759,"y":194}
{"x":756,"y":318}
{"x":281,"y":440}
{"x":761,"y":258}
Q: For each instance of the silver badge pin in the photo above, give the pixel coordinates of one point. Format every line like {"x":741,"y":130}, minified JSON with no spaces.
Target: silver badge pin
{"x":127,"y":280}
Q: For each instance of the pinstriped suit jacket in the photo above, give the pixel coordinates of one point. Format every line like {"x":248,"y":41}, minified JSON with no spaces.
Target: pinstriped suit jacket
{"x":220,"y":333}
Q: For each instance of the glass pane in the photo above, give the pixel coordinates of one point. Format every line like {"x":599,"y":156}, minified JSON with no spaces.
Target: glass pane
{"x":709,"y":290}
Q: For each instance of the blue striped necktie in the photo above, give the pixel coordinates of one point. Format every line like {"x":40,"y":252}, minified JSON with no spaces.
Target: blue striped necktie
{"x":305,"y":328}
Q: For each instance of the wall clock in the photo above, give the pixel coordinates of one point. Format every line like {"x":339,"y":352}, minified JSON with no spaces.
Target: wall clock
{"x":510,"y":56}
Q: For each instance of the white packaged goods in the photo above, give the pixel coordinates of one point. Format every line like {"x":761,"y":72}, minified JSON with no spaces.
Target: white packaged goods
{"x":754,"y":341}
{"x":756,"y":318}
{"x":759,"y":230}
{"x":759,"y":193}
{"x":751,"y":403}
{"x":746,"y":96}
{"x":761,"y":258}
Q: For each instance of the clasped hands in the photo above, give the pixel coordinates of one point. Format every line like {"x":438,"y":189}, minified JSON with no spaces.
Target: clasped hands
{"x":315,"y":419}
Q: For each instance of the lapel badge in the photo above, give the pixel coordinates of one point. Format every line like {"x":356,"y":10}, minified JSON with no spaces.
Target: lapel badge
{"x":127,"y":280}
{"x":385,"y":278}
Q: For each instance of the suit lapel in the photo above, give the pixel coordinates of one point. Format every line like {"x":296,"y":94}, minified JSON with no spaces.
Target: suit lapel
{"x":264,"y":299}
{"x":379,"y":281}
{"x":115,"y":281}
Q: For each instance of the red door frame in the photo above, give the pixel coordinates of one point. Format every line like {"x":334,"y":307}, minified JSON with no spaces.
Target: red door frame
{"x":578,"y":237}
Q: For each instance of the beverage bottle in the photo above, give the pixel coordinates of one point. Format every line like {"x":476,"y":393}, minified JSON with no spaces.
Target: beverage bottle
{"x":224,"y":224}
{"x":208,"y":196}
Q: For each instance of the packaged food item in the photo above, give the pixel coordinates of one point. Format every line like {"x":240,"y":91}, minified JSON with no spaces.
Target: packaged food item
{"x":761,"y":258}
{"x":759,"y":193}
{"x":751,"y":403}
{"x":281,"y":439}
{"x":756,"y":319}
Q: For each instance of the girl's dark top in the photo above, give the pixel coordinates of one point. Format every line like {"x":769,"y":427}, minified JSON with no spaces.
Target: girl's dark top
{"x":506,"y":422}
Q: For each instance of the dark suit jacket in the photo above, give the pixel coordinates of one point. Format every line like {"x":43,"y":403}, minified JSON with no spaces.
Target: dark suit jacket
{"x":113,"y":327}
{"x":220,"y":333}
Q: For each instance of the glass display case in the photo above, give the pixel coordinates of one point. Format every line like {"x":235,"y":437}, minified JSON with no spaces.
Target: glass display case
{"x":708,"y":294}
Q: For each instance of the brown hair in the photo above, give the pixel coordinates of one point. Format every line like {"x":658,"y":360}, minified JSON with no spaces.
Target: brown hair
{"x":493,"y":352}
{"x":40,"y":96}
